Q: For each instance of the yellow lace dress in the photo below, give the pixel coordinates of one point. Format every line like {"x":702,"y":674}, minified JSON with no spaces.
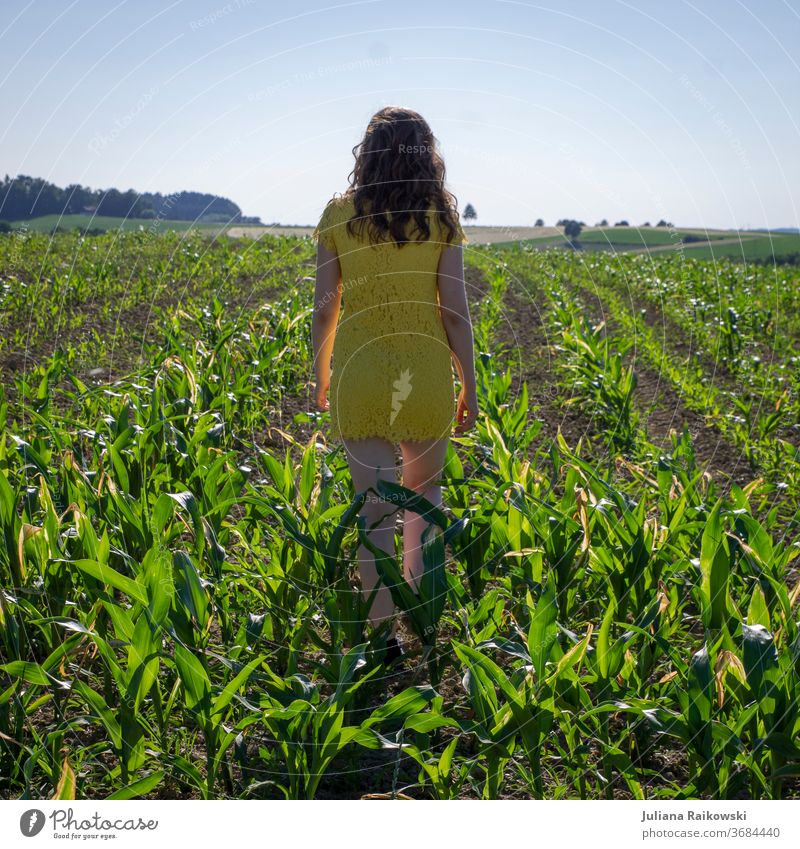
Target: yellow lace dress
{"x":392,"y":372}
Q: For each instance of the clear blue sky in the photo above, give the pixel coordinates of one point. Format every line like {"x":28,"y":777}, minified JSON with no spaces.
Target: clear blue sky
{"x":578,"y":109}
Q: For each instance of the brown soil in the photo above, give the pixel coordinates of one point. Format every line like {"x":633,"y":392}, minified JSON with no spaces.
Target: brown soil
{"x":663,"y":410}
{"x":660,"y":406}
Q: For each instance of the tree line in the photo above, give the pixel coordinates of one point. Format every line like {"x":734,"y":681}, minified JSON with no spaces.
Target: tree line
{"x":23,"y":198}
{"x":571,"y":226}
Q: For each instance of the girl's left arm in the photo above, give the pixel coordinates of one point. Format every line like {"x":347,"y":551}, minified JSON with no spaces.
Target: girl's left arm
{"x":327,"y":300}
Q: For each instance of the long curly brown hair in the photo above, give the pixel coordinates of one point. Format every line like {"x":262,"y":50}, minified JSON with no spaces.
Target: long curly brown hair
{"x":399,"y":170}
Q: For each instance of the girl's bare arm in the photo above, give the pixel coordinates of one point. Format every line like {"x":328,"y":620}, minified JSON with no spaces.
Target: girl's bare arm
{"x":327,"y":300}
{"x":458,"y":326}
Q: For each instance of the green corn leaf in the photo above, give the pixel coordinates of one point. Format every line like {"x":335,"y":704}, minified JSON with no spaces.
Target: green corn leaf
{"x":715,"y":571}
{"x":334,"y":546}
{"x":235,"y":684}
{"x":33,"y":673}
{"x":277,"y":473}
{"x":604,"y":639}
{"x":758,"y":655}
{"x":389,"y":572}
{"x":143,"y":661}
{"x":425,"y":722}
{"x":162,"y":512}
{"x":328,"y":735}
{"x":543,"y":630}
{"x":31,"y":456}
{"x":433,"y":584}
{"x":189,"y":503}
{"x":758,"y":611}
{"x":495,"y":674}
{"x":106,"y":715}
{"x":402,"y":706}
{"x":308,"y":472}
{"x":352,"y":661}
{"x":106,"y":575}
{"x":138,"y":788}
{"x":455,"y":529}
{"x":119,"y":468}
{"x":195,"y":680}
{"x":700,"y":686}
{"x":191,"y":588}
{"x":7,"y":501}
{"x":156,"y":575}
{"x":124,"y":623}
{"x":408,"y":499}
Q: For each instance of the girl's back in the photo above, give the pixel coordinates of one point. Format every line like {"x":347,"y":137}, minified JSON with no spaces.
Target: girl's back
{"x":391,"y":373}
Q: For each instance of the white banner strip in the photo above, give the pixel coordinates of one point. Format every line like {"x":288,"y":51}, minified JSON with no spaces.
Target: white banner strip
{"x":184,"y":824}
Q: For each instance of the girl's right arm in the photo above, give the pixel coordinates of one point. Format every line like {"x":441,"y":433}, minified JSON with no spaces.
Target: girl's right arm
{"x":327,"y":301}
{"x":458,"y":326}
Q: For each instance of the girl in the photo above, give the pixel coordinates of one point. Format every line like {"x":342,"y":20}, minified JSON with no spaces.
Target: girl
{"x":390,"y":249}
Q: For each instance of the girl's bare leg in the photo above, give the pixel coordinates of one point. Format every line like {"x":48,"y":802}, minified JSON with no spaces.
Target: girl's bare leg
{"x":422,"y":466}
{"x":370,"y":459}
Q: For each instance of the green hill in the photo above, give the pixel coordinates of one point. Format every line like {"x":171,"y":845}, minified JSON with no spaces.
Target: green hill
{"x":47,"y":223}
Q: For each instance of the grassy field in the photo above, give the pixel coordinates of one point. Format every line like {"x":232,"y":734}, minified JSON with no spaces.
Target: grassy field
{"x":752,"y":247}
{"x":644,"y":237}
{"x":719,"y":244}
{"x":47,"y":223}
{"x":609,"y":608}
{"x":746,"y":246}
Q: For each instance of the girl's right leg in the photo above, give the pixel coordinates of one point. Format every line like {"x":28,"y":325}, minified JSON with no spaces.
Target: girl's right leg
{"x":370,"y":459}
{"x":423,"y":463}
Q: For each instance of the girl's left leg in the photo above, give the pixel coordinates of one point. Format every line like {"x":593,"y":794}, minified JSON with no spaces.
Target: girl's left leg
{"x":370,"y":459}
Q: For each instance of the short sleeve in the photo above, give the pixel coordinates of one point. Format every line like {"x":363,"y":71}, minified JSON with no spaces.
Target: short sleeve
{"x":460,"y":236}
{"x":324,"y":231}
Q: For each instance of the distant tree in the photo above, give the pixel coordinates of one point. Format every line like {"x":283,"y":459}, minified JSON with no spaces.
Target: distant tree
{"x":603,"y":223}
{"x":572,"y":229}
{"x":23,"y":198}
{"x":469,"y":212}
{"x":622,"y":223}
{"x":663,"y":223}
{"x":192,"y":206}
{"x":77,"y":198}
{"x":539,"y":223}
{"x":113,"y":203}
{"x":646,"y":224}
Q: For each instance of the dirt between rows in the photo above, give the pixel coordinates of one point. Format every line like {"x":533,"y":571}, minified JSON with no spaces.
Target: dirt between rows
{"x":661,"y":408}
{"x":675,"y":341}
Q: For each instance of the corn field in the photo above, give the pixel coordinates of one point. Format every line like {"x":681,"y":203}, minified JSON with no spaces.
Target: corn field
{"x":608,"y":609}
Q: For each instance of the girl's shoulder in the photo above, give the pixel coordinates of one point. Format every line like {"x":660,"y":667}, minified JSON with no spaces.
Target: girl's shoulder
{"x":337,"y":210}
{"x":339,"y":204}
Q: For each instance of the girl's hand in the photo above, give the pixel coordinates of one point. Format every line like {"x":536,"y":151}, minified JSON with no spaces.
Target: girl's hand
{"x":467,"y":411}
{"x":322,"y":388}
